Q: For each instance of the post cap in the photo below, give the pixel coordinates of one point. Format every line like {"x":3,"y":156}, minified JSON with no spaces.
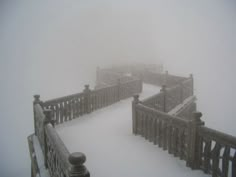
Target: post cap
{"x":136,"y":97}
{"x":36,"y":97}
{"x":163,"y":88}
{"x":77,"y":158}
{"x":197,"y":116}
{"x":86,"y":86}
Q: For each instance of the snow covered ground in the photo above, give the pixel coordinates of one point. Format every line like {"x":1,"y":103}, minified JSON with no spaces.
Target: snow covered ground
{"x":105,"y":136}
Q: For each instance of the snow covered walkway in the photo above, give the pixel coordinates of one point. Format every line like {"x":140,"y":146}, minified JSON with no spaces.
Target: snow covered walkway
{"x":105,"y":136}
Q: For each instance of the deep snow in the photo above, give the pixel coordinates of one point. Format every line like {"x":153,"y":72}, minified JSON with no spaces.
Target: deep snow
{"x":53,"y":49}
{"x":105,"y":136}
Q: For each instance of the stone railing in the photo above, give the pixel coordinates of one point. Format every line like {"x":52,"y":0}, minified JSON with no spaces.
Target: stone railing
{"x":172,"y":133}
{"x":216,"y":152}
{"x":57,"y":158}
{"x":110,"y":77}
{"x":168,"y":98}
{"x":73,"y":106}
{"x":169,"y":120}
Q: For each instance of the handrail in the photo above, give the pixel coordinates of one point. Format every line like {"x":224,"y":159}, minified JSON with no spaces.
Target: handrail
{"x":219,"y":137}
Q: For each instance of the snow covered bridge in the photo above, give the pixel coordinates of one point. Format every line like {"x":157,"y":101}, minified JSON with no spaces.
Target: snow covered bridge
{"x":101,"y":123}
{"x":105,"y":136}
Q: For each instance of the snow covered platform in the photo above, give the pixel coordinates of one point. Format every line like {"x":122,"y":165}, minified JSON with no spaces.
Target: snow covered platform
{"x":105,"y":136}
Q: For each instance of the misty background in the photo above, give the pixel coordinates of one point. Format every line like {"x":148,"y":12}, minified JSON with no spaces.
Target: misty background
{"x":53,"y":48}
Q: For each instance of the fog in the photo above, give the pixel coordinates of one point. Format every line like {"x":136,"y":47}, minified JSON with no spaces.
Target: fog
{"x":53,"y":48}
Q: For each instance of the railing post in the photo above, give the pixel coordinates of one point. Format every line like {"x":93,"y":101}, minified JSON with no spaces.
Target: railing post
{"x":87,"y":104}
{"x":163,"y":90}
{"x":118,"y":90}
{"x":134,"y":115}
{"x":192,"y":85}
{"x":141,"y":82}
{"x":166,"y":78}
{"x":77,"y":159}
{"x":36,"y":101}
{"x":193,"y":159}
{"x":48,"y":119}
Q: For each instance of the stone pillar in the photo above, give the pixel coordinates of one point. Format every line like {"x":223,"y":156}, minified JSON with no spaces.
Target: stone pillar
{"x":77,"y":159}
{"x":166,"y":78}
{"x":87,"y":103}
{"x":193,"y":159}
{"x":48,"y":120}
{"x":36,"y":101}
{"x":134,"y":115}
{"x":49,"y":117}
{"x":163,"y":90}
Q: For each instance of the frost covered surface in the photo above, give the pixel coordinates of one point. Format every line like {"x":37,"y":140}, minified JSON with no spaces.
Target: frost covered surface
{"x":105,"y":136}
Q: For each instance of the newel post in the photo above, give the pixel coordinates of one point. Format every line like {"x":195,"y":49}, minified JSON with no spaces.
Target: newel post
{"x":47,"y":120}
{"x":163,"y":90}
{"x":193,"y":159}
{"x":166,"y":78}
{"x":77,"y":159}
{"x":87,"y":104}
{"x":140,"y":82}
{"x":134,"y":113}
{"x":36,"y":101}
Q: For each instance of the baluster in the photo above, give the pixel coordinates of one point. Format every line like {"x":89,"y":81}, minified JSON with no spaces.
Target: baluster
{"x":61,"y":113}
{"x":82,"y":106}
{"x":207,"y":156}
{"x":154,"y":131}
{"x":134,"y":115}
{"x":141,"y":124}
{"x":57,"y":113}
{"x":225,"y":161}
{"x":146,"y":127}
{"x":169,"y":135}
{"x":138,"y":122}
{"x":234,"y":165}
{"x":175,"y":141}
{"x":149,"y":128}
{"x":76,"y":108}
{"x":160,"y":133}
{"x":164,"y":127}
{"x":215,"y":159}
{"x":180,"y":148}
{"x":66,"y":111}
{"x":157,"y":130}
{"x":97,"y":99}
{"x":69,"y":109}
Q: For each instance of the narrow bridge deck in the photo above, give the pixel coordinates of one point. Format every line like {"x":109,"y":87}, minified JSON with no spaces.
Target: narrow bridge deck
{"x":105,"y":136}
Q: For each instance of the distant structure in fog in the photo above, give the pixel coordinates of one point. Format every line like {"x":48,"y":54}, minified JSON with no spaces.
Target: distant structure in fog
{"x":168,"y":119}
